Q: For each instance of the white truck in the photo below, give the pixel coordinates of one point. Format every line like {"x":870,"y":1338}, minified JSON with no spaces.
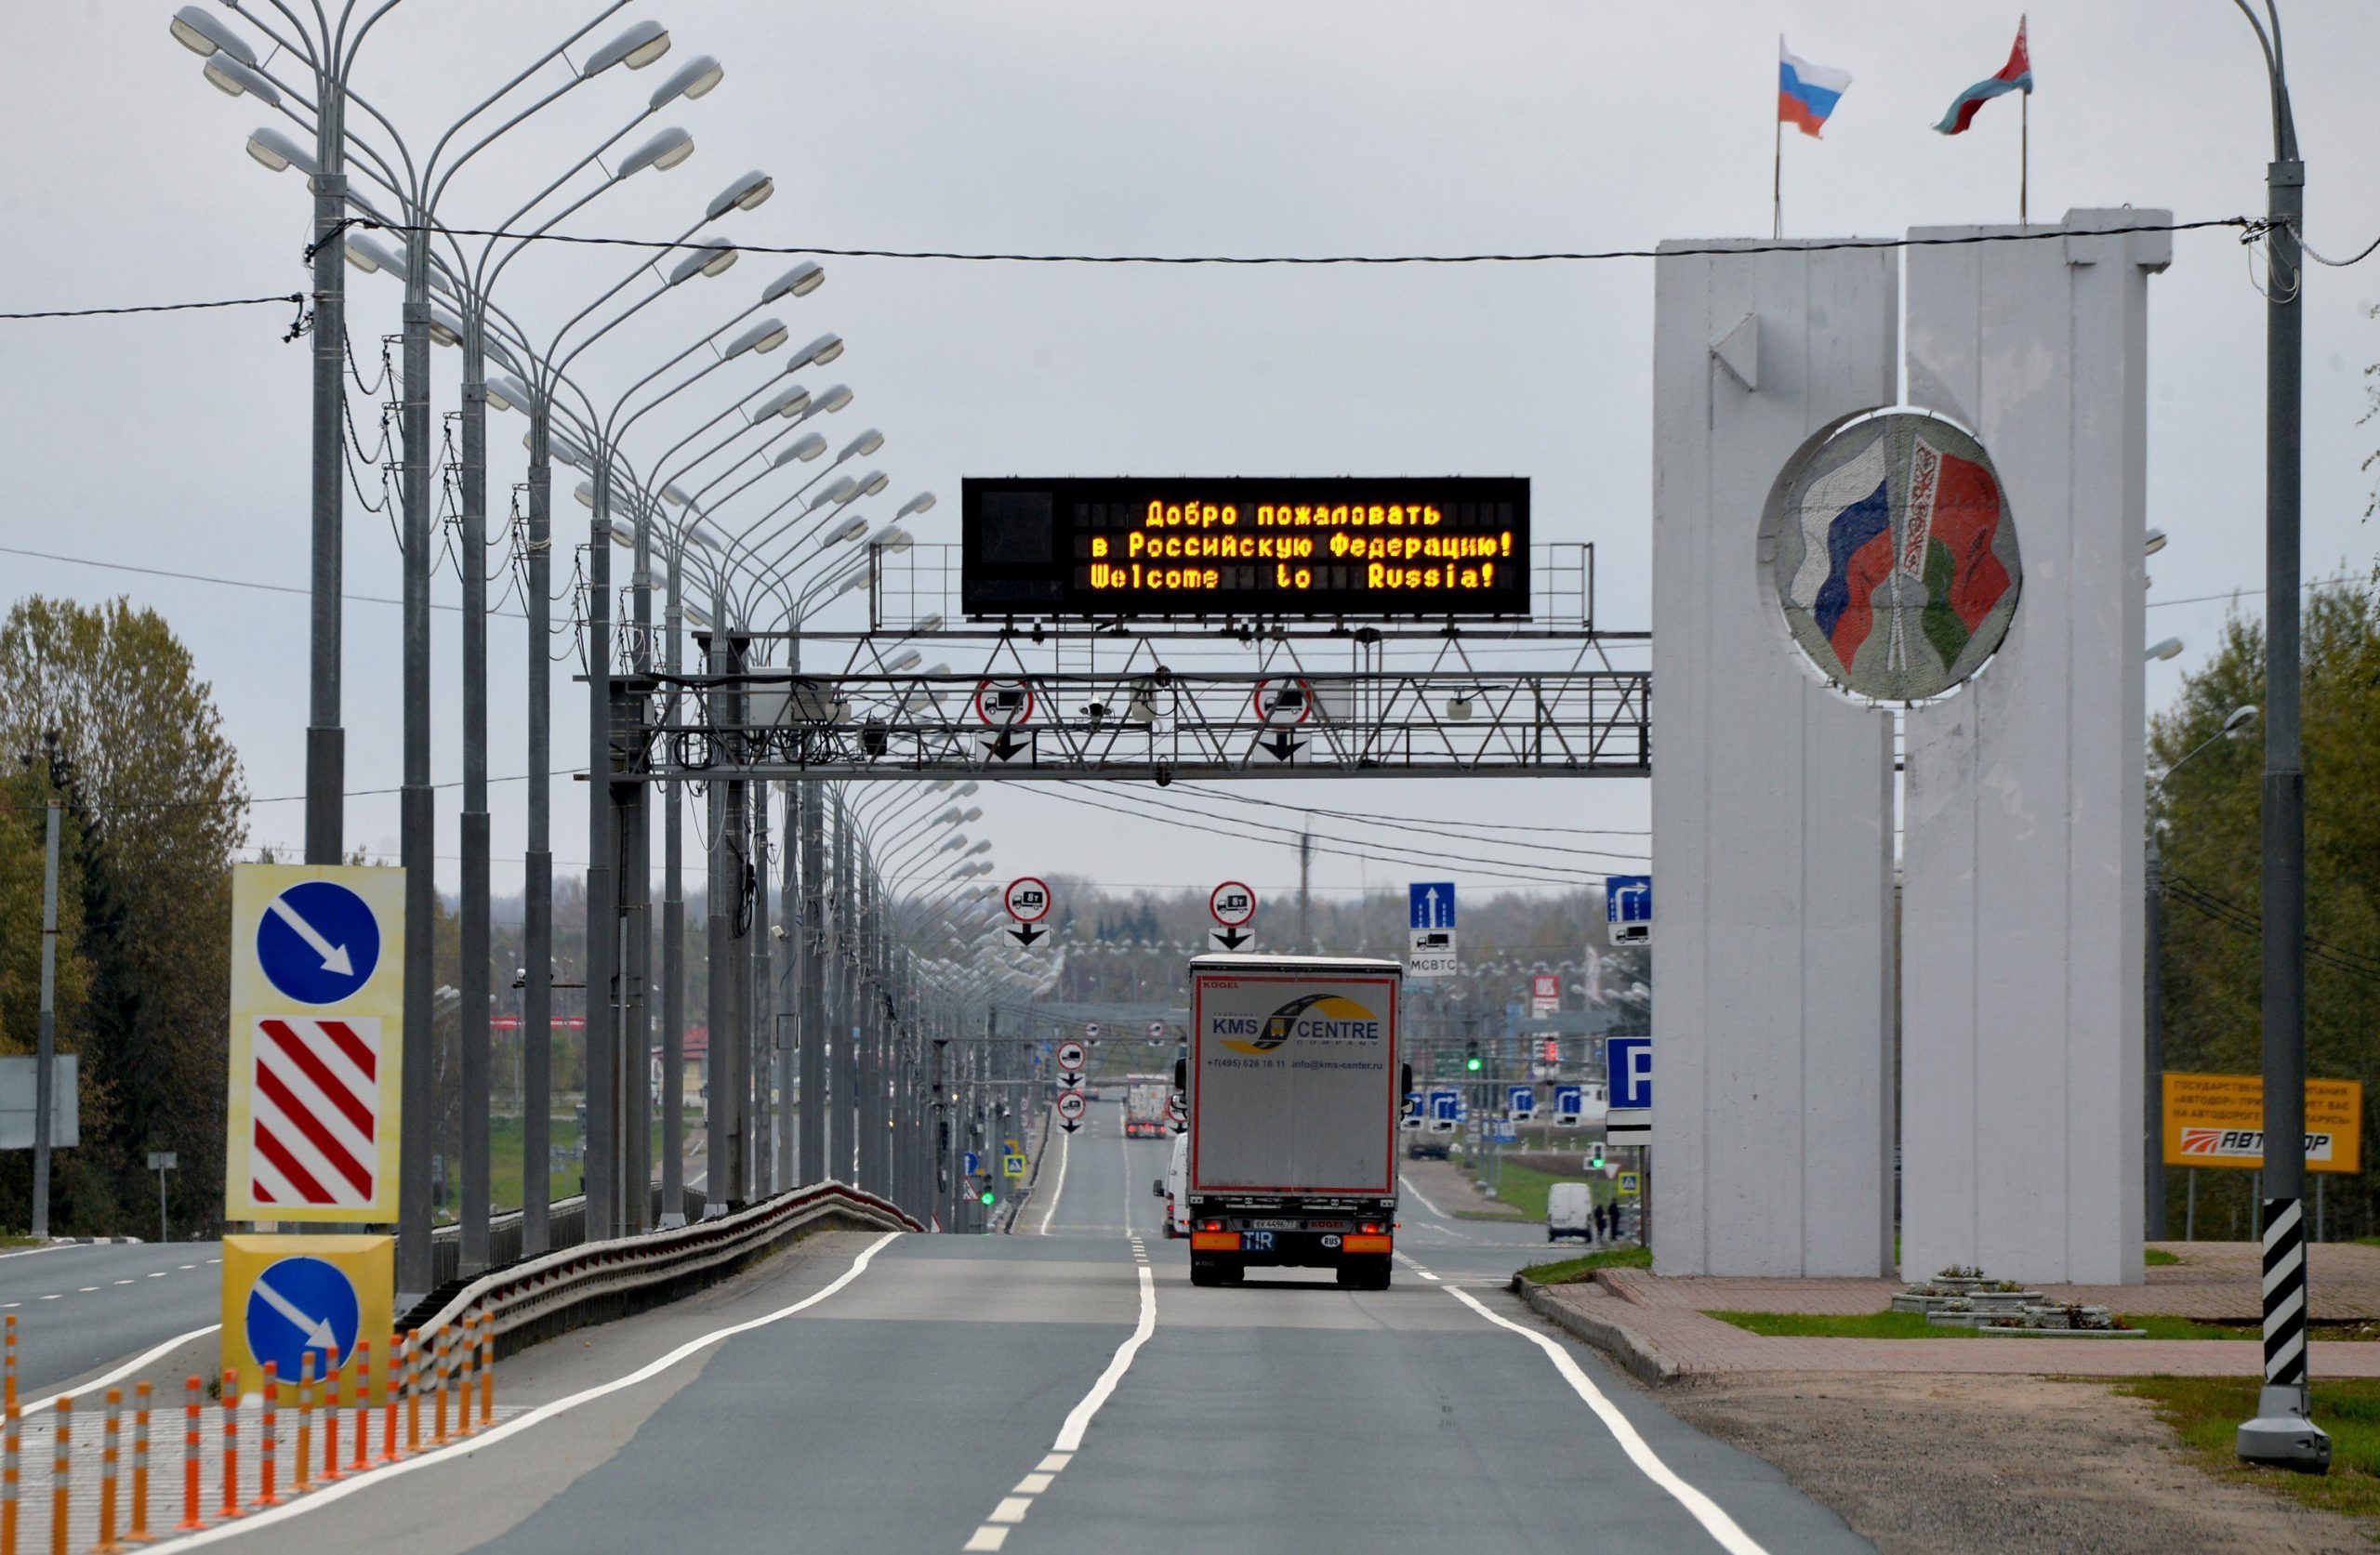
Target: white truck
{"x":1294,"y":1086}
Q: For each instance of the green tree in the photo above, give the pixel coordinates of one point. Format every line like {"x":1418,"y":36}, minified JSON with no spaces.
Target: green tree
{"x":2209,"y":812}
{"x":106,"y":701}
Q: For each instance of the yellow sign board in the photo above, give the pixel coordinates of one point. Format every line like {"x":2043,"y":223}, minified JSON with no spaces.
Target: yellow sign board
{"x":1013,"y":1165}
{"x":317,"y":1043}
{"x":2219,"y":1120}
{"x":288,"y":1298}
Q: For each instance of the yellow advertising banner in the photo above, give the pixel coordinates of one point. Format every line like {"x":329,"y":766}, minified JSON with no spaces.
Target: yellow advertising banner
{"x":2219,"y":1120}
{"x":317,"y":1043}
{"x":300,"y":1301}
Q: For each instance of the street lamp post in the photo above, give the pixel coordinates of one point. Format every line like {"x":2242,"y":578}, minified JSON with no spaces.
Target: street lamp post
{"x":2283,"y":1431}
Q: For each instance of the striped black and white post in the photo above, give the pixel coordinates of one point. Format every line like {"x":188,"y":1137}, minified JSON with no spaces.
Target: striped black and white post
{"x":2283,"y":1432}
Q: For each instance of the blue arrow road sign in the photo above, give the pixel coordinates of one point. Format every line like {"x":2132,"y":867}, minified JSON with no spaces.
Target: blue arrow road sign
{"x":974,"y":1164}
{"x":1445,"y":1105}
{"x":1521,"y":1100}
{"x":318,"y":941}
{"x":1628,"y":899}
{"x":1412,"y":1103}
{"x":1569,"y":1100}
{"x":301,"y":1304}
{"x":1431,"y":904}
{"x":1630,"y":1059}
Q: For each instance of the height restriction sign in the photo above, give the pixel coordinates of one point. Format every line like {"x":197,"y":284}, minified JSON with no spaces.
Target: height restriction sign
{"x":316,"y":1043}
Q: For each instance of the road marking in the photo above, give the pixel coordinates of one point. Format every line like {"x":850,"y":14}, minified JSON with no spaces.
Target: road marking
{"x":1421,"y":1195}
{"x":124,"y":1370}
{"x":489,"y":1436}
{"x":158,"y":1273}
{"x":993,"y":1530}
{"x":85,"y":1290}
{"x":1717,"y":1524}
{"x":185,"y":1266}
{"x":1066,"y":1148}
{"x":53,"y":1296}
{"x":124,"y":1282}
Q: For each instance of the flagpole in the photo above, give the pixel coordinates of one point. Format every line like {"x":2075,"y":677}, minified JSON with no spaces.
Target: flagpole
{"x":2024,"y":154}
{"x":1776,"y":166}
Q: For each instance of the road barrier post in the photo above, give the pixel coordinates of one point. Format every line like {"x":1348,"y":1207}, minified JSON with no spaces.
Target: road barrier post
{"x":487,"y":1369}
{"x":395,"y":1367}
{"x":413,"y":1391}
{"x":191,"y":1518}
{"x":230,"y":1507}
{"x":463,"y":1382}
{"x":62,"y":1462}
{"x":10,"y":1401}
{"x":330,"y":1374}
{"x":439,"y":1378}
{"x":9,"y":1434}
{"x":138,"y":1531}
{"x":107,"y":1440}
{"x":363,"y":1393}
{"x":302,"y":1467}
{"x":268,"y":1436}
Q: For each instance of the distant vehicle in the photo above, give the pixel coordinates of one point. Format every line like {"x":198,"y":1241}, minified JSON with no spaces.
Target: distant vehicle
{"x":1569,"y":1211}
{"x":1144,"y":1109}
{"x":1426,"y":1147}
{"x":1174,"y":1189}
{"x":1294,"y":1080}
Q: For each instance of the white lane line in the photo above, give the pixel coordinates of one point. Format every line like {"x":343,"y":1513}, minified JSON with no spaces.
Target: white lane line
{"x":53,"y":1296}
{"x":1717,"y":1524}
{"x":85,"y":1290}
{"x":1421,"y":1195}
{"x":124,"y":1370}
{"x":1066,"y":1148}
{"x":519,"y":1423}
{"x":993,"y":1530}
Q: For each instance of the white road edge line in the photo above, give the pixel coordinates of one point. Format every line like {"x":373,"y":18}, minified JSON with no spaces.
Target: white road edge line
{"x":1421,"y":1195}
{"x":1066,"y":1148}
{"x":1716,"y":1522}
{"x":123,"y":1371}
{"x":519,"y":1423}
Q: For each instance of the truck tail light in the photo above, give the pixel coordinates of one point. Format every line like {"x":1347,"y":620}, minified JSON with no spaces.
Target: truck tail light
{"x":1210,"y":1225}
{"x":1371,"y":1228}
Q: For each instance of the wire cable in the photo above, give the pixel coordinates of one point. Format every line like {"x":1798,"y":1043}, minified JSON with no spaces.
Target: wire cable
{"x":297,"y":299}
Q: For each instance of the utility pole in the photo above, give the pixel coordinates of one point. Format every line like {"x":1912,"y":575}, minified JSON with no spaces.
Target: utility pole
{"x":1305,"y":882}
{"x":45,"y":1043}
{"x":2283,"y":1431}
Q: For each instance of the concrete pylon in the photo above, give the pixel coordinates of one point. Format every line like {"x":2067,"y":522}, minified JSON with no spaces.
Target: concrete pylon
{"x":2021,"y":906}
{"x":1772,"y":795}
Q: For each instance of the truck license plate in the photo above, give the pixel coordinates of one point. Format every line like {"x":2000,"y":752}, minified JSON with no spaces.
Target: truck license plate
{"x":1274,"y":1225}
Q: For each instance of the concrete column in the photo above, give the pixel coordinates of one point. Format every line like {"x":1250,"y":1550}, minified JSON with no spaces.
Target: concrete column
{"x":2021,"y":908}
{"x":1771,"y":794}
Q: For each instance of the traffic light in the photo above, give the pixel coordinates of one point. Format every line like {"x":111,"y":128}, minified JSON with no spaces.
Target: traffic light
{"x":1471,"y":1057}
{"x":990,"y":1195}
{"x":1594,"y":1157}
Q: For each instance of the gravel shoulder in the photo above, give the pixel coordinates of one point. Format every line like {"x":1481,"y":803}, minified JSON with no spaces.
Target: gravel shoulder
{"x":1956,"y":1464}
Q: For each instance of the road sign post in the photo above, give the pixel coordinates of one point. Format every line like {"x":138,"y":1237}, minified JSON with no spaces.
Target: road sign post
{"x":160,"y":1162}
{"x":317,"y":1015}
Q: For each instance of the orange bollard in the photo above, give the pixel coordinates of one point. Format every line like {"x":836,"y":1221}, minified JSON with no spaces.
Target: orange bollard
{"x":394,"y":1371}
{"x":108,"y":1460}
{"x":8,"y":1481}
{"x":361,"y":1393}
{"x":10,"y":1401}
{"x":463,"y":1352}
{"x":439,"y":1380}
{"x":231,"y":1507}
{"x":191,"y":1517}
{"x":330,"y":1415}
{"x":487,"y":1369}
{"x":62,"y":1462}
{"x":302,"y":1467}
{"x":268,"y":1436}
{"x":138,"y":1531}
{"x":413,"y":1391}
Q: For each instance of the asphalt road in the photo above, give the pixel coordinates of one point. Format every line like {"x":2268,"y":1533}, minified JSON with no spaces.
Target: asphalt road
{"x":81,"y":1309}
{"x":1067,"y":1389}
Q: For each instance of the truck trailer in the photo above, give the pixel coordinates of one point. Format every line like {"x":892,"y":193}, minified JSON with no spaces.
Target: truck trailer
{"x":1294,"y":1085}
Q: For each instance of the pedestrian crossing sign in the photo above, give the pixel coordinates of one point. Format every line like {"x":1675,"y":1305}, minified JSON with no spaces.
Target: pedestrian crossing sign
{"x":1628,"y":1182}
{"x":1013,"y":1165}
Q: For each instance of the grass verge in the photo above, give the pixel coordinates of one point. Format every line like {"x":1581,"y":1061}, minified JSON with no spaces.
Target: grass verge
{"x":2158,"y":1257}
{"x":1578,"y":1271}
{"x":1912,"y":1325}
{"x":1524,"y":1188}
{"x":2205,"y":1413}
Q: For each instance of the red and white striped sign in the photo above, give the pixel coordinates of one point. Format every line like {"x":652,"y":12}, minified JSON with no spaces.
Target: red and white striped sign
{"x":314,"y":1112}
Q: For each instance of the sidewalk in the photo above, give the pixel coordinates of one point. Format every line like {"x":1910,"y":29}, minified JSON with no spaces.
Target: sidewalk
{"x":1656,"y":1324}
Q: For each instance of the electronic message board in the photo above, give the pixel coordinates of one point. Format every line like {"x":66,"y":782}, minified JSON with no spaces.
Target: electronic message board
{"x":1245,"y":547}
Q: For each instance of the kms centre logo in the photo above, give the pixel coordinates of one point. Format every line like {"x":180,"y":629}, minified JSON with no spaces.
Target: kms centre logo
{"x":1310,"y":1017}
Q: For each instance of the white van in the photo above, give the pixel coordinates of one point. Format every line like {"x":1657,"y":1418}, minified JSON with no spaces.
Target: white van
{"x":1174,"y":1188}
{"x":1569,"y":1211}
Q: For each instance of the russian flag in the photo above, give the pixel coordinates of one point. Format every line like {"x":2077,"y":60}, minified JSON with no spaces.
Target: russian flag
{"x":2016,"y":75}
{"x":1847,"y":551}
{"x":1806,"y":93}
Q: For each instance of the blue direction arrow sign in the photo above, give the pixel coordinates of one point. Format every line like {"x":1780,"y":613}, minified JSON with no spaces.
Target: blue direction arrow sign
{"x":318,"y":942}
{"x":1445,"y":1106}
{"x":1521,"y":1100}
{"x":1627,"y":908}
{"x":1569,"y":1102}
{"x":974,"y":1164}
{"x":301,"y":1305}
{"x":1430,"y":904}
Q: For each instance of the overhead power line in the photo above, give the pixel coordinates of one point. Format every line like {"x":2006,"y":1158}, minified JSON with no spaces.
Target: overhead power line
{"x":294,"y":299}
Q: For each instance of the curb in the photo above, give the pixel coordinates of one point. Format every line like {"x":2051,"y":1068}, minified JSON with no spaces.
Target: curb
{"x":93,"y":1242}
{"x":1636,"y":1354}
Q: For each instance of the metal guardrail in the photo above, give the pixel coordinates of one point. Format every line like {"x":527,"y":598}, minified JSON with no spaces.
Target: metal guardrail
{"x":554,"y":1292}
{"x":565,"y":1227}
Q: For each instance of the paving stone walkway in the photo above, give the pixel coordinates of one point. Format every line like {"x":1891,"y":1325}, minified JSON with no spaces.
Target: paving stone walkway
{"x":1663,"y":1316}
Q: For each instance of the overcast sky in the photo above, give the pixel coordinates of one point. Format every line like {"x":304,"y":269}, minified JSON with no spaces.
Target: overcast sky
{"x":180,"y":442}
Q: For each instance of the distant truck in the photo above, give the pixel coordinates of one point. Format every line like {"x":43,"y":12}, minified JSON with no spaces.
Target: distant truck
{"x":1294,"y":1085}
{"x":1144,"y":1109}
